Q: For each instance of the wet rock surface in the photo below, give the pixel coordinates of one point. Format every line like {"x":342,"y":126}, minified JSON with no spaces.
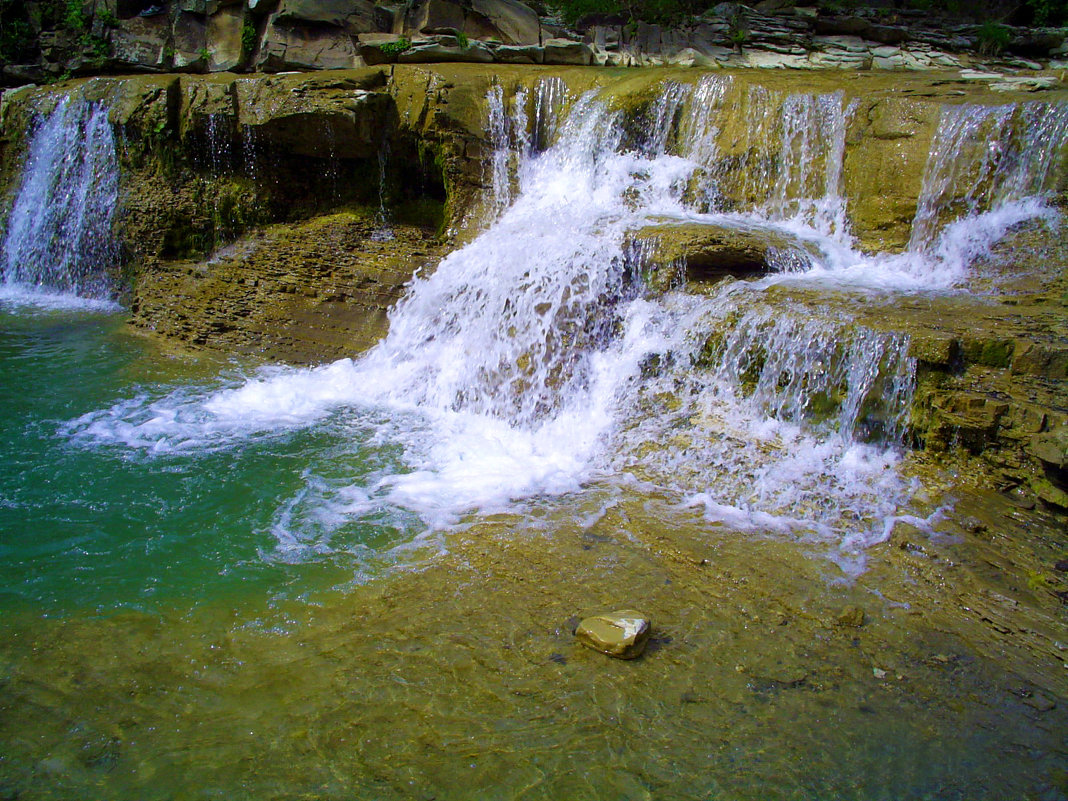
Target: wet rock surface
{"x":303,"y":293}
{"x":674,"y":254}
{"x":622,"y":634}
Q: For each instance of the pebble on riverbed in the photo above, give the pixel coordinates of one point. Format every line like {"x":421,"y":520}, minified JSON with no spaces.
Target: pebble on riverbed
{"x":621,"y":634}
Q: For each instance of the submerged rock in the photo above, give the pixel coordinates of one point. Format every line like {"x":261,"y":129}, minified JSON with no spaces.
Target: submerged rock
{"x":621,"y":634}
{"x":850,"y":617}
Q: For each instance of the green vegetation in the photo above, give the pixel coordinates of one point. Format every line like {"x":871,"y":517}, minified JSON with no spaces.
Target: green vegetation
{"x":74,"y":16}
{"x":248,"y":39}
{"x":1048,"y":12}
{"x":993,"y":38}
{"x":395,"y":48}
{"x":96,"y":48}
{"x":659,"y":11}
{"x":461,"y":37}
{"x":16,"y":35}
{"x":107,"y":18}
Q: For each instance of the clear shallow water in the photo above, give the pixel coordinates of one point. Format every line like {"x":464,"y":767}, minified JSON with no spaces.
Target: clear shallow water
{"x":84,"y":526}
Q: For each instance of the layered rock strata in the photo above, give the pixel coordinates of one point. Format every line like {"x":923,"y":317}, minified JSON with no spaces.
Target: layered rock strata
{"x":279,"y":35}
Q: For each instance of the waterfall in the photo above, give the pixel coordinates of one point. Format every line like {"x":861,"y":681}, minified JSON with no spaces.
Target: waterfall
{"x":59,"y":233}
{"x":853,"y":381}
{"x":533,"y":361}
{"x":784,"y":163}
{"x":497,"y":128}
{"x":549,"y":99}
{"x":988,"y":159}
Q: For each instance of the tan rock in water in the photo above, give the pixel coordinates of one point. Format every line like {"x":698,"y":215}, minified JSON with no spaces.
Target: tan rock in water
{"x":621,"y":634}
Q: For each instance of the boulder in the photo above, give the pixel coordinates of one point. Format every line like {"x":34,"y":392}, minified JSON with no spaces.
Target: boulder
{"x":431,"y":52}
{"x":1040,"y":359}
{"x":225,"y":27}
{"x":375,"y":48}
{"x":621,"y":634}
{"x":565,"y":51}
{"x":520,"y":54}
{"x":190,"y":41}
{"x":508,"y":21}
{"x":141,"y":42}
{"x":1051,"y":448}
{"x":432,"y":16}
{"x":702,"y":252}
{"x":352,"y":16}
{"x":288,"y":47}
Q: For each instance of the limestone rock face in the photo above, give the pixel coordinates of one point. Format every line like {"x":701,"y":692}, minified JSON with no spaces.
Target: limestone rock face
{"x":353,"y":16}
{"x":506,"y":21}
{"x":190,"y":41}
{"x":141,"y":42}
{"x":322,"y":116}
{"x":303,"y":293}
{"x":565,"y":51}
{"x":509,"y":21}
{"x":1051,"y":447}
{"x":697,"y":252}
{"x":886,"y":154}
{"x":289,"y":47}
{"x":224,"y":38}
{"x":433,"y":52}
{"x":621,"y":634}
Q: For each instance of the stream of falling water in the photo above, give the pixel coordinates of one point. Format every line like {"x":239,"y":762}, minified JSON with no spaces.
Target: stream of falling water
{"x":532,"y":362}
{"x":58,"y":237}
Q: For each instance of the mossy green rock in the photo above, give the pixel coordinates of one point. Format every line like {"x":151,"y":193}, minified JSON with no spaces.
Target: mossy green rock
{"x":621,"y":634}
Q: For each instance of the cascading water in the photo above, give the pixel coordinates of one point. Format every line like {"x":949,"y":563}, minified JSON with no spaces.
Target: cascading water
{"x":59,"y":236}
{"x":531,"y":362}
{"x":995,"y":160}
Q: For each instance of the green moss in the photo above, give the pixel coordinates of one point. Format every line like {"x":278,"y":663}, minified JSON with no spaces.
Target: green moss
{"x":755,"y":359}
{"x":424,"y":212}
{"x":988,"y":352}
{"x":711,"y":351}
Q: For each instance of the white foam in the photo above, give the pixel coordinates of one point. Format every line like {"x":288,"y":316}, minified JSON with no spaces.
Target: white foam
{"x":27,"y":299}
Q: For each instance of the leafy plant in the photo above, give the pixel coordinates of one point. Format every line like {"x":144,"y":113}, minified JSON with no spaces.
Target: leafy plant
{"x":248,"y":38}
{"x":461,"y":37}
{"x":15,"y":34}
{"x":1048,"y":12}
{"x":96,"y":47}
{"x":395,"y":48}
{"x":74,"y":16}
{"x":107,"y":18}
{"x":737,"y":31}
{"x":993,"y":37}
